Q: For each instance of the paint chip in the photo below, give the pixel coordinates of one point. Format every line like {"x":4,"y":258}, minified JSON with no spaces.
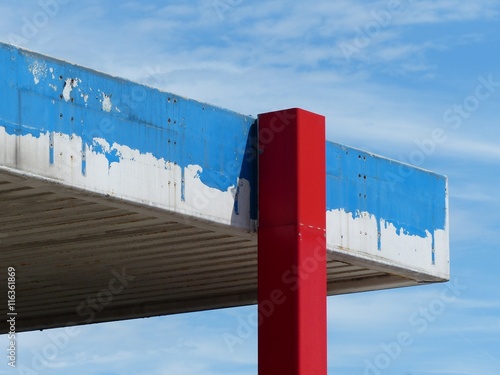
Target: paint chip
{"x":39,"y":71}
{"x":106,"y":103}
{"x":69,"y":85}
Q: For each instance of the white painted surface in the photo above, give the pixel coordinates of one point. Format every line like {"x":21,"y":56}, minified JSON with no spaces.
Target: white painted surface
{"x":359,"y":235}
{"x":137,"y":177}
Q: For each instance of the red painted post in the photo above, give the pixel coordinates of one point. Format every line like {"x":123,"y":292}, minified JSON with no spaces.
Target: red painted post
{"x":292,"y":244}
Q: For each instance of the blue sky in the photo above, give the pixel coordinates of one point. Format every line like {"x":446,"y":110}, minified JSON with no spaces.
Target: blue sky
{"x":386,"y":74}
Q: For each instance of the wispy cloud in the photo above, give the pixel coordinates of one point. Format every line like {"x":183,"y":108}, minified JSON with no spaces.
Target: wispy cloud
{"x":442,"y":11}
{"x":263,"y":56}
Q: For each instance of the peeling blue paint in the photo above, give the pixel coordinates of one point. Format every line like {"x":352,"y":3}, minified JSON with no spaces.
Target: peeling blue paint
{"x":411,"y":199}
{"x":51,"y":148}
{"x":186,"y":132}
{"x":236,"y":206}
{"x":169,"y":127}
{"x":183,"y":185}
{"x":84,"y":159}
{"x":113,"y":156}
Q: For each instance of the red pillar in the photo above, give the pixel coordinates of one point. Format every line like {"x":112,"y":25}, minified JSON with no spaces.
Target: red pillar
{"x":292,"y":244}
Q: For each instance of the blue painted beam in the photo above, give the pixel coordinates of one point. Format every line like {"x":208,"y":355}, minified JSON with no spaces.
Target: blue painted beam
{"x":387,"y":209}
{"x":43,"y":96}
{"x":108,"y":135}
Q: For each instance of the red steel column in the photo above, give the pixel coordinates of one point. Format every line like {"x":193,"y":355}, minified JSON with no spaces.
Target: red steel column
{"x":292,"y":244}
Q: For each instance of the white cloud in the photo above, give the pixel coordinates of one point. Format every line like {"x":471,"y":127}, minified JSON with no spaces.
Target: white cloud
{"x":469,"y":148}
{"x":442,"y":11}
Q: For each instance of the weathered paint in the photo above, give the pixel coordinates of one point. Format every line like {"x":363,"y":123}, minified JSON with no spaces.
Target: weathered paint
{"x":120,"y":138}
{"x":107,"y":135}
{"x":386,"y":209}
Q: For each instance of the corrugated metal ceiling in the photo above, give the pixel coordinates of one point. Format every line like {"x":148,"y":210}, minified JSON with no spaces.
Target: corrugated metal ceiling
{"x":84,"y":258}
